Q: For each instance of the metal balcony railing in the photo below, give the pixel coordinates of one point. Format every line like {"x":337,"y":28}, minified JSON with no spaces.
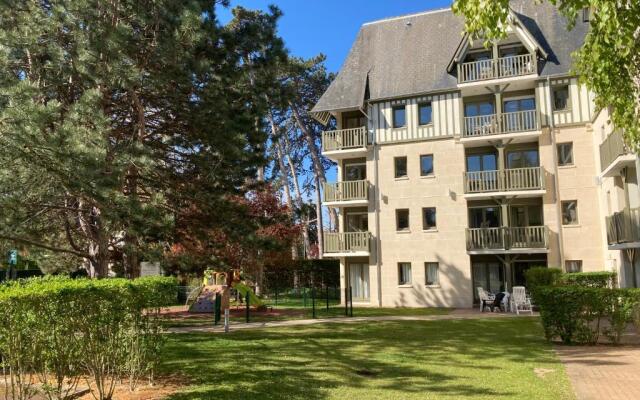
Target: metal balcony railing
{"x":624,"y":226}
{"x":496,"y":124}
{"x":344,"y":139}
{"x":346,"y":242}
{"x":505,"y":67}
{"x":506,"y":180}
{"x":612,"y":148}
{"x":345,"y":191}
{"x":507,"y":238}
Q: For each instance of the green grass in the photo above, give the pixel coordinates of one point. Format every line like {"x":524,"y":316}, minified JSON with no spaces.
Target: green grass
{"x":454,"y":359}
{"x":334,"y":311}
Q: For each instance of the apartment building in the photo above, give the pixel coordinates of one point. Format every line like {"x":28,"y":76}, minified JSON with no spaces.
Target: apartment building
{"x":460,"y":166}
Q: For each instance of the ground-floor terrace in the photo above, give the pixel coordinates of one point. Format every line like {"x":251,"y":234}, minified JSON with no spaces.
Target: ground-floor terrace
{"x":434,"y":283}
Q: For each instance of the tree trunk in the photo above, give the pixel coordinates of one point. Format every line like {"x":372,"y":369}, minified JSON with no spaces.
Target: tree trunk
{"x":285,"y":178}
{"x":315,"y":158}
{"x":319,"y":224}
{"x":298,"y":192}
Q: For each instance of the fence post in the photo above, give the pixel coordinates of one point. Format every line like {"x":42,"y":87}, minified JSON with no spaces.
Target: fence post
{"x":226,"y":320}
{"x":346,"y":301}
{"x":247,"y":304}
{"x":327,"y":290}
{"x":351,"y":300}
{"x":313,"y":301}
{"x":216,"y":309}
{"x":276,"y":287}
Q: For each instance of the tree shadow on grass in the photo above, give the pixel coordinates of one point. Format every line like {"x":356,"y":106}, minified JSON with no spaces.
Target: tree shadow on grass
{"x":391,"y":358}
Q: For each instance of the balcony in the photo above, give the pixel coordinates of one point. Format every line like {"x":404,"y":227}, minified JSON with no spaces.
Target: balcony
{"x":345,"y":143}
{"x":346,"y":244}
{"x":623,"y":229}
{"x":346,"y":193}
{"x":529,"y":239}
{"x":499,"y":68}
{"x":515,"y":181}
{"x":513,"y":125}
{"x":615,"y":154}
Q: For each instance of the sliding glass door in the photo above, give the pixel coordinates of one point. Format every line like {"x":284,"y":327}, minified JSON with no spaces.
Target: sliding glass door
{"x":359,"y":281}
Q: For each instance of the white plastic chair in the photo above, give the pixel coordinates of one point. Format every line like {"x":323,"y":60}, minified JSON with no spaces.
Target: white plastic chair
{"x":520,"y":301}
{"x":485,"y":298}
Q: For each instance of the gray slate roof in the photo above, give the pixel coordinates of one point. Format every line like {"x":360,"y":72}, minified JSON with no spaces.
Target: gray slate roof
{"x":401,"y":59}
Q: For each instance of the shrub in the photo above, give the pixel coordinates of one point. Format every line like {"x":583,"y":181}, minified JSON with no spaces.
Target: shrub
{"x":537,"y":277}
{"x":600,"y":279}
{"x":61,"y":329}
{"x":574,"y":313}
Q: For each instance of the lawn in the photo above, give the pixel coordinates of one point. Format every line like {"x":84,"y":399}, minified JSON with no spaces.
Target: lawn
{"x":455,"y":359}
{"x":237,"y":316}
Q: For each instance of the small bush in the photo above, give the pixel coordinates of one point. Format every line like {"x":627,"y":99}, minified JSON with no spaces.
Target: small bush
{"x":62,"y":328}
{"x":537,"y":277}
{"x":575,"y":313}
{"x":600,"y":279}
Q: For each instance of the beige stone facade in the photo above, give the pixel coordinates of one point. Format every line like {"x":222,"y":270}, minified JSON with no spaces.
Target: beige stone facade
{"x":469,"y":186}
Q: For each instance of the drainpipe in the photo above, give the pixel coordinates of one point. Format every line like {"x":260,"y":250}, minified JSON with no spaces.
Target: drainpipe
{"x":376,"y":205}
{"x":556,"y":184}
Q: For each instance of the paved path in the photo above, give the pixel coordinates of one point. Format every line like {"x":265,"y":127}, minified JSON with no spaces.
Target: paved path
{"x":455,"y":314}
{"x":603,"y":372}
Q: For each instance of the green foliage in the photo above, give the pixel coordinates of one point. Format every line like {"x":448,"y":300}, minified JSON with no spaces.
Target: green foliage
{"x":116,"y":118}
{"x":598,"y":279}
{"x":574,"y":313}
{"x":542,"y":276}
{"x":608,"y":62}
{"x":64,"y":328}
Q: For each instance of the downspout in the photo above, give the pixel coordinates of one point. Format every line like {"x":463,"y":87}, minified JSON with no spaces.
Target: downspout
{"x":376,"y":205}
{"x":556,"y":184}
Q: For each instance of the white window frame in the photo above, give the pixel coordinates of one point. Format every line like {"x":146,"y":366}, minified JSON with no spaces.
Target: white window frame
{"x":428,"y":264}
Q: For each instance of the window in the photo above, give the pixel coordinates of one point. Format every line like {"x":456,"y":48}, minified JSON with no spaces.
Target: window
{"x":431,"y":274}
{"x":561,"y":98}
{"x":399,"y":117}
{"x":424,"y":114}
{"x":573,"y":265}
{"x":523,"y":159}
{"x":402,"y":219}
{"x":404,"y":273}
{"x":400,"y":167}
{"x":426,"y":165}
{"x":565,"y":154}
{"x":429,"y":218}
{"x":569,"y":212}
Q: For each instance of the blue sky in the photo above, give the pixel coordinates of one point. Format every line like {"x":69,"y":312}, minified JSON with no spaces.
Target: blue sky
{"x":310,"y":27}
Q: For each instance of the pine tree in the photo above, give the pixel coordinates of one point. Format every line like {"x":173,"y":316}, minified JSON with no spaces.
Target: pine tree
{"x":115,"y":116}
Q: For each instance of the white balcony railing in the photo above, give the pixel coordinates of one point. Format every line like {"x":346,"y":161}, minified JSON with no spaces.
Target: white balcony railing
{"x":507,"y":238}
{"x":506,"y":180}
{"x":345,"y":191}
{"x":346,"y":242}
{"x":505,"y":67}
{"x":344,"y":139}
{"x":492,"y":124}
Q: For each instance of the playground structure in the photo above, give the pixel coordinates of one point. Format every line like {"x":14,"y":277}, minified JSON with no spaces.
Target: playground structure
{"x":203,"y":299}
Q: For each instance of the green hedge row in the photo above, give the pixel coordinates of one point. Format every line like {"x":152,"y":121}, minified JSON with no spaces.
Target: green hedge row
{"x":580,"y":314}
{"x":56,"y":331}
{"x":600,"y":279}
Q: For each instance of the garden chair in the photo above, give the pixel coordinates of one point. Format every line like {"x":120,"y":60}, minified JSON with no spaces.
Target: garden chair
{"x":485,"y":298}
{"x":520,"y":301}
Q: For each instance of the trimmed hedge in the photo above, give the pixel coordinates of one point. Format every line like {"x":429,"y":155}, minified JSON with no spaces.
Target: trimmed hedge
{"x":575,"y":313}
{"x":599,"y":279}
{"x":542,"y":276}
{"x":60,"y":329}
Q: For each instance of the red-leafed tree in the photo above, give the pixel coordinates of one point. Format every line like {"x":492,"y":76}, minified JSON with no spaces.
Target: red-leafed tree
{"x":268,"y":234}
